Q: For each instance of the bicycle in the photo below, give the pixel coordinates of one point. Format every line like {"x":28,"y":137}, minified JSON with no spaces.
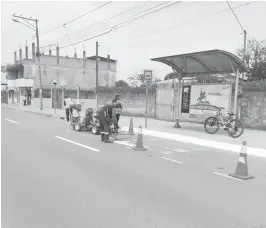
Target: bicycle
{"x":113,"y":130}
{"x":220,"y":119}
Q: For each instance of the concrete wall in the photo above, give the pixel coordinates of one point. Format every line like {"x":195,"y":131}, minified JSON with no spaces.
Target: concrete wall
{"x":47,"y":102}
{"x":134,"y":100}
{"x":69,"y":77}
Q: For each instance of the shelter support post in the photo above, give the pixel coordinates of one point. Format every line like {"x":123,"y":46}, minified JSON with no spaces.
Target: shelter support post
{"x":177,"y":125}
{"x":236,"y":91}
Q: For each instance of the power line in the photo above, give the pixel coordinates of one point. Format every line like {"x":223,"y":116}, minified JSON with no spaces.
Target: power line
{"x":121,"y":24}
{"x":85,"y":39}
{"x":141,"y":16}
{"x":185,"y":23}
{"x":114,"y":16}
{"x":130,"y":20}
{"x":74,"y":19}
{"x":68,"y":37}
{"x":235,"y":16}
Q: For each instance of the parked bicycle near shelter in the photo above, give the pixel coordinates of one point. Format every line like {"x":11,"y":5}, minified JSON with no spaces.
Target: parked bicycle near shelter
{"x":234,"y":127}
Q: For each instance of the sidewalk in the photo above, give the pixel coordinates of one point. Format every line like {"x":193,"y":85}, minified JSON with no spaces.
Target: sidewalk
{"x":46,"y":112}
{"x":190,"y":133}
{"x":195,"y":134}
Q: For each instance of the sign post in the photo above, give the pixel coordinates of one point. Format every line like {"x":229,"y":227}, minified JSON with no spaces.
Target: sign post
{"x":55,"y":83}
{"x":148,"y":81}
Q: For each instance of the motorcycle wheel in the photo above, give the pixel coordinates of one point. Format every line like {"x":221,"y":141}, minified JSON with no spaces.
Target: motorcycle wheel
{"x":95,"y":130}
{"x":77,"y":127}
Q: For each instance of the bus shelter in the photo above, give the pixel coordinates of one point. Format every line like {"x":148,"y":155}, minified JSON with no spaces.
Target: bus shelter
{"x":204,"y":63}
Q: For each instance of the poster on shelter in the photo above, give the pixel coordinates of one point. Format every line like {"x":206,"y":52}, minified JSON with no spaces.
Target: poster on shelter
{"x":206,"y":98}
{"x":185,"y":99}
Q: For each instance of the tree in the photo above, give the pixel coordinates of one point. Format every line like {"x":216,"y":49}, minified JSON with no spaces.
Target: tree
{"x":137,"y":80}
{"x":255,"y":59}
{"x":121,"y":83}
{"x":171,"y":75}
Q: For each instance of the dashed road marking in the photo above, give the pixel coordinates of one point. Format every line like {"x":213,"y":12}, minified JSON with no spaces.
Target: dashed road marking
{"x":78,"y":144}
{"x":125,"y":143}
{"x":224,"y":175}
{"x":168,"y":152}
{"x":12,"y":121}
{"x":175,"y":150}
{"x":171,"y":160}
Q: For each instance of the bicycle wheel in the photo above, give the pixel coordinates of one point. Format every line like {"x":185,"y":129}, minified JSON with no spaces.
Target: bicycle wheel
{"x":211,"y":125}
{"x":235,"y":128}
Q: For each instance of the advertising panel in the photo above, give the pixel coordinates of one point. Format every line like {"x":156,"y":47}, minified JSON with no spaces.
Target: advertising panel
{"x":205,"y":99}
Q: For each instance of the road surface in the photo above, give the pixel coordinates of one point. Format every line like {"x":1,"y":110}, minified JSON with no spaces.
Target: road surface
{"x":55,"y":177}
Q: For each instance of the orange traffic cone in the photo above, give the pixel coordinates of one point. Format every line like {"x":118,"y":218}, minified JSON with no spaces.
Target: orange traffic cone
{"x":131,"y":129}
{"x":242,"y":165}
{"x":139,"y":143}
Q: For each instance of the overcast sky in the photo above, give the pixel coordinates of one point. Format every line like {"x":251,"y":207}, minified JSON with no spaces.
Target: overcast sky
{"x":184,"y":27}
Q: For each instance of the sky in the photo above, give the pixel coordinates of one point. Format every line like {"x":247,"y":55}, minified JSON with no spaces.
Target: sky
{"x":187,"y":26}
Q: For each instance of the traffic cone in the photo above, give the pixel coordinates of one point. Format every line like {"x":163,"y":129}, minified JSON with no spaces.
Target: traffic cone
{"x":131,"y":129}
{"x":242,"y":165}
{"x":139,"y":143}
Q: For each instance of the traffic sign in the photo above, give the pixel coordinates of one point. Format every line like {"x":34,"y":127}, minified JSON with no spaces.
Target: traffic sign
{"x":55,"y":83}
{"x":148,"y":76}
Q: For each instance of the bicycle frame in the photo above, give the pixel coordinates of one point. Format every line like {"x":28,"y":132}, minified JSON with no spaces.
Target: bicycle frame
{"x":220,"y":117}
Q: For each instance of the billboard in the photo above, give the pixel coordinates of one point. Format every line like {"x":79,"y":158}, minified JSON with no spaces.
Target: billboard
{"x":204,"y":99}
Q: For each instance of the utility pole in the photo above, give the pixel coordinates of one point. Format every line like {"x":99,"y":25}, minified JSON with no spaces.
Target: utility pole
{"x":35,"y":28}
{"x":39,"y":64}
{"x":97,"y":72}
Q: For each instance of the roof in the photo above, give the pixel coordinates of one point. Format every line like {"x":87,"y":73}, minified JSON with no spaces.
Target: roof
{"x":101,"y":58}
{"x":205,"y":62}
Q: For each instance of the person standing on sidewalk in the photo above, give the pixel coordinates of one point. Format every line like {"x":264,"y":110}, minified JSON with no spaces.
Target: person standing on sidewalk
{"x":67,"y":103}
{"x":24,"y":98}
{"x":118,"y":110}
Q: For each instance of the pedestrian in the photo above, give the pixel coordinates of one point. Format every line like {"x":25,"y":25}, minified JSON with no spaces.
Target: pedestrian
{"x":118,"y":111}
{"x":67,"y":103}
{"x":24,"y":98}
{"x":105,"y":120}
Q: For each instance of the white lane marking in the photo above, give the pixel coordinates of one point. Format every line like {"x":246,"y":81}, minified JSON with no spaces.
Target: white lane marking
{"x":12,"y":121}
{"x":125,"y":143}
{"x":223,"y":175}
{"x":78,"y":144}
{"x":172,"y":160}
{"x":203,"y":142}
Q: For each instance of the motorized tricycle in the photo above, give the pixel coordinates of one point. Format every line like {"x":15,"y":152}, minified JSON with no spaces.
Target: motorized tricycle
{"x":89,"y":122}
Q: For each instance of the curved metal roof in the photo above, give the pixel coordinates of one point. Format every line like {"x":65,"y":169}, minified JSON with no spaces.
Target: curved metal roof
{"x":205,"y":62}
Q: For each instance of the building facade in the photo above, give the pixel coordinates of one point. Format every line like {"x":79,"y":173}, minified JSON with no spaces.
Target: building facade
{"x":71,"y":72}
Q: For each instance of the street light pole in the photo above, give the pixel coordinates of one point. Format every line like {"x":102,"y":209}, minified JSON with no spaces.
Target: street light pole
{"x":35,"y":28}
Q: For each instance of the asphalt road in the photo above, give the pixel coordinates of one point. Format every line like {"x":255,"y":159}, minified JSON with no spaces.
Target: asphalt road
{"x":55,"y":177}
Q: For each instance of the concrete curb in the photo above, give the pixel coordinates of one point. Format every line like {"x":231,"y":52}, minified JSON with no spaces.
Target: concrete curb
{"x":37,"y":113}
